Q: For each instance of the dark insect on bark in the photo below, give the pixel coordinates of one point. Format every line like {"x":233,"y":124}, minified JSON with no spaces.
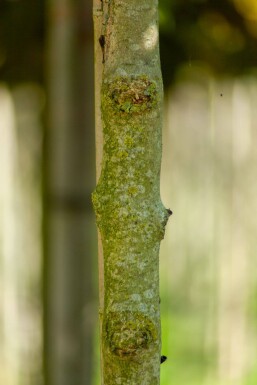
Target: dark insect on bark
{"x":163,"y":359}
{"x":102,"y":44}
{"x":169,"y":211}
{"x":102,"y":41}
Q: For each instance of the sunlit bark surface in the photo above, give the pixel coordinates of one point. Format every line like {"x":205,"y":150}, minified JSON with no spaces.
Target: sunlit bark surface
{"x":130,"y":214}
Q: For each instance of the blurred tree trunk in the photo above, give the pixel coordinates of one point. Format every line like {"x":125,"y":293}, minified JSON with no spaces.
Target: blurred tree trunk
{"x":129,"y":212}
{"x":234,"y":266}
{"x":20,"y":234}
{"x":69,"y":179}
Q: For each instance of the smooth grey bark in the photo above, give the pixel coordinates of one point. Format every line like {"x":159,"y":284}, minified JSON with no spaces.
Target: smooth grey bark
{"x":129,"y":211}
{"x":69,"y":179}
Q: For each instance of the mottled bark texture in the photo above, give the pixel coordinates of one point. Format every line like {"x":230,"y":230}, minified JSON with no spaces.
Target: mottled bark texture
{"x":129,"y":211}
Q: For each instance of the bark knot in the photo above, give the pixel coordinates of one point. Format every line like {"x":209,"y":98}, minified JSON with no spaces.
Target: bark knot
{"x":129,"y":334}
{"x":132,"y":95}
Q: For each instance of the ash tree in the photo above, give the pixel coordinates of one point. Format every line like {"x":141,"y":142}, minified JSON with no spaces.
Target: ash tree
{"x":130,"y":215}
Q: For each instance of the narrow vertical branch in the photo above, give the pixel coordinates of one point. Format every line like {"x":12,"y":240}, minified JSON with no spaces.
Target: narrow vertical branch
{"x":98,"y":22}
{"x":130,"y":215}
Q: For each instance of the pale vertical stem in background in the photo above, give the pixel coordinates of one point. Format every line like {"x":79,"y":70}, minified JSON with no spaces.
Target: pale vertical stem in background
{"x":20,"y":244}
{"x":240,"y":282}
{"x":209,"y":332}
{"x":225,"y":270}
{"x":29,"y":102}
{"x":9,"y":343}
{"x":234,"y":272}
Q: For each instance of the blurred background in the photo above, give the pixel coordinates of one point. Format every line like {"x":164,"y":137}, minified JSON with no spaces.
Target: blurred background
{"x":48,"y":252}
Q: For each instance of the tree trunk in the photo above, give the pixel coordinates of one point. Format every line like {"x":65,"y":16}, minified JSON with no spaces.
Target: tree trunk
{"x":129,"y":211}
{"x":69,"y":180}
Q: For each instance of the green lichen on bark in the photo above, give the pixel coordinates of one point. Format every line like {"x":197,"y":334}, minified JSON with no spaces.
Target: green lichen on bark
{"x":134,"y":95}
{"x":131,"y":219}
{"x":129,"y":334}
{"x":129,"y":211}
